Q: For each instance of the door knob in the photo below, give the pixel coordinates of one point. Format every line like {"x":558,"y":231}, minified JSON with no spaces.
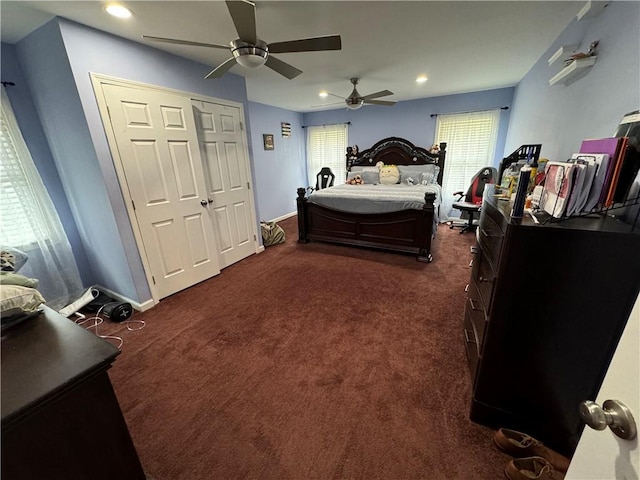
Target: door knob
{"x":203,"y":203}
{"x":210,"y":201}
{"x":613,"y":413}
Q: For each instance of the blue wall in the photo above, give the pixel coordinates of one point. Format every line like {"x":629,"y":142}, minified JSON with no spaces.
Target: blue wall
{"x":278,"y":172}
{"x":57,"y":60}
{"x":561,"y":116}
{"x":27,"y":117}
{"x":412,"y":119}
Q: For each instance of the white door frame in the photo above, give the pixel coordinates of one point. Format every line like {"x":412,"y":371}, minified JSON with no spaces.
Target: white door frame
{"x":98,"y":80}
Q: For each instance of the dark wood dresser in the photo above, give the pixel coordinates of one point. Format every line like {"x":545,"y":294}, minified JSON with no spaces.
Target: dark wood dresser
{"x":545,"y":308}
{"x":60,"y":416}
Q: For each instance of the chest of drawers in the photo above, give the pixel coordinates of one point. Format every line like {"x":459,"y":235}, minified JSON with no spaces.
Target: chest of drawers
{"x":545,"y":307}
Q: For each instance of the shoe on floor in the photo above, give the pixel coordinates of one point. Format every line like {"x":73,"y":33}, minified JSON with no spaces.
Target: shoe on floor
{"x":531,"y":468}
{"x":519,"y":445}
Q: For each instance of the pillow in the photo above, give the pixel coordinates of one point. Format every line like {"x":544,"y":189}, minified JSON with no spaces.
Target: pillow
{"x":12,"y":259}
{"x":11,"y":278}
{"x":414,"y":172}
{"x":370,"y":178}
{"x":352,"y":175}
{"x":427,"y":178}
{"x":14,"y":298}
{"x":364,"y":169}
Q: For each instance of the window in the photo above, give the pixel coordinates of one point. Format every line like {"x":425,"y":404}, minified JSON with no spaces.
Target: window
{"x":28,"y":219}
{"x":471,"y":143}
{"x":327,"y":147}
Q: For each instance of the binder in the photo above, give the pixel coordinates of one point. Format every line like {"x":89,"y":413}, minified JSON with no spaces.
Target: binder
{"x":557,"y":188}
{"x":597,"y":164}
{"x":628,"y":172}
{"x":611,"y":147}
{"x":615,"y":175}
{"x":577,"y":197}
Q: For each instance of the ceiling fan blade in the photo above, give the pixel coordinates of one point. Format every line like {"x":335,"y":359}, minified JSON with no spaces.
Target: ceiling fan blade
{"x":379,"y":102}
{"x":382,"y":93}
{"x":330,"y":42}
{"x":243,"y":14}
{"x":334,"y":95}
{"x":326,"y":104}
{"x":183,"y":42}
{"x":282,"y":68}
{"x":221,"y":69}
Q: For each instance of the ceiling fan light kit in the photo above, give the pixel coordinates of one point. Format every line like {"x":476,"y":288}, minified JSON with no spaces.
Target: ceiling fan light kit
{"x":354,"y":103}
{"x":248,"y":55}
{"x":251,"y":52}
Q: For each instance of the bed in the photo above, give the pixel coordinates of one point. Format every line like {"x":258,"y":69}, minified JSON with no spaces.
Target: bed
{"x":402,"y":218}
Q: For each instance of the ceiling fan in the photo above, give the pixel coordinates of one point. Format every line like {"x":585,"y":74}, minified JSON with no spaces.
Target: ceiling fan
{"x":251,"y":52}
{"x":354,"y":101}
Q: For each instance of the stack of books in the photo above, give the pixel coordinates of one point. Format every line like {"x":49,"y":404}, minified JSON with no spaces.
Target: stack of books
{"x":597,"y":178}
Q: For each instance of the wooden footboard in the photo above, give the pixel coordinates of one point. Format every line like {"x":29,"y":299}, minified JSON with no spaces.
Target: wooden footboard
{"x":407,"y":231}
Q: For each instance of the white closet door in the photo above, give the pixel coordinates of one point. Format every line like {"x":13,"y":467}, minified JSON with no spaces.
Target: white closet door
{"x":158,"y":147}
{"x":228,"y":179}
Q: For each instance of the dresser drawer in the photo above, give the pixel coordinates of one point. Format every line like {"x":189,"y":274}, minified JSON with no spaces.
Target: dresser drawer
{"x":484,"y":280}
{"x":490,"y":237}
{"x":470,"y":345}
{"x":477,"y":314}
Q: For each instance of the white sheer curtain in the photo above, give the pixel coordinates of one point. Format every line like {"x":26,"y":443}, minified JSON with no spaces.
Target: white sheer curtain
{"x":327,"y":147}
{"x":471,"y":144}
{"x":28,"y":219}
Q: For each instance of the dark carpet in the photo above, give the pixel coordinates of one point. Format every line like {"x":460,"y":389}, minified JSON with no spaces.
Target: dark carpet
{"x":309,"y":361}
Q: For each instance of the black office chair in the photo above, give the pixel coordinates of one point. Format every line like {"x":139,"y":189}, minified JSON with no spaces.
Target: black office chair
{"x":472,"y":203}
{"x":324,"y":178}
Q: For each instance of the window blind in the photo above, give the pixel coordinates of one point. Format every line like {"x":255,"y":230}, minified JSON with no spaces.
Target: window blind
{"x":20,"y":216}
{"x":327,"y":147}
{"x":28,"y":219}
{"x":471,"y":143}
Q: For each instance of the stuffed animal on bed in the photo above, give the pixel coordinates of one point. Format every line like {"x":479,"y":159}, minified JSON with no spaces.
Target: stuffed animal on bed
{"x":389,"y":174}
{"x":355,"y":180}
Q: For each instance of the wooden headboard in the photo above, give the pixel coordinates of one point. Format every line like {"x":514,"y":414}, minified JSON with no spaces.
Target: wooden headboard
{"x":397,"y":151}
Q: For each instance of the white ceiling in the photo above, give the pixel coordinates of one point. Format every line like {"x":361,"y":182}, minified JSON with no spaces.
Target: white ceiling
{"x":462,"y":46}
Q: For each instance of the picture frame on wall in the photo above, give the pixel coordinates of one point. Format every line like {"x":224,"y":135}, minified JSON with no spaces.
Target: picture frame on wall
{"x":267,"y":139}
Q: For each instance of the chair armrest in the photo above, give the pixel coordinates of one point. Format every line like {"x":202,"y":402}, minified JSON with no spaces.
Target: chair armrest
{"x":459,"y":194}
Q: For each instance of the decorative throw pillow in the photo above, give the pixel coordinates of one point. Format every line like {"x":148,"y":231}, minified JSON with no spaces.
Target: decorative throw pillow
{"x":410,"y":179}
{"x":389,"y":174}
{"x":420,"y":174}
{"x":427,"y":178}
{"x":12,"y":278}
{"x":15,"y":298}
{"x":371,"y":178}
{"x":12,"y":259}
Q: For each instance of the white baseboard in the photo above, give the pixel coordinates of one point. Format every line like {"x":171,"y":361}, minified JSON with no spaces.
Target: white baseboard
{"x":140,"y":307}
{"x":284,"y":217}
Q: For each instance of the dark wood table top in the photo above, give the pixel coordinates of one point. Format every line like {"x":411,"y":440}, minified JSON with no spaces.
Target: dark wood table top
{"x":43,"y":357}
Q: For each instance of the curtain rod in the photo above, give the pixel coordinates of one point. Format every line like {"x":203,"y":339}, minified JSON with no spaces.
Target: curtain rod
{"x":327,"y":124}
{"x":8,"y":84}
{"x":471,"y":111}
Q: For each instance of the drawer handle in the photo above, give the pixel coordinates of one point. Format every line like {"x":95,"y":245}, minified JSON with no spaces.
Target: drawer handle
{"x":485,"y":279}
{"x":486,"y":234}
{"x":471,"y":263}
{"x":466,"y":288}
{"x":475,"y":249}
{"x":473,"y":305}
{"x":466,"y":336}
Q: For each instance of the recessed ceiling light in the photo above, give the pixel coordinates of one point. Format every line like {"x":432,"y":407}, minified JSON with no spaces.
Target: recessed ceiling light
{"x":421,"y":79}
{"x":323,"y":94}
{"x":118,"y":11}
